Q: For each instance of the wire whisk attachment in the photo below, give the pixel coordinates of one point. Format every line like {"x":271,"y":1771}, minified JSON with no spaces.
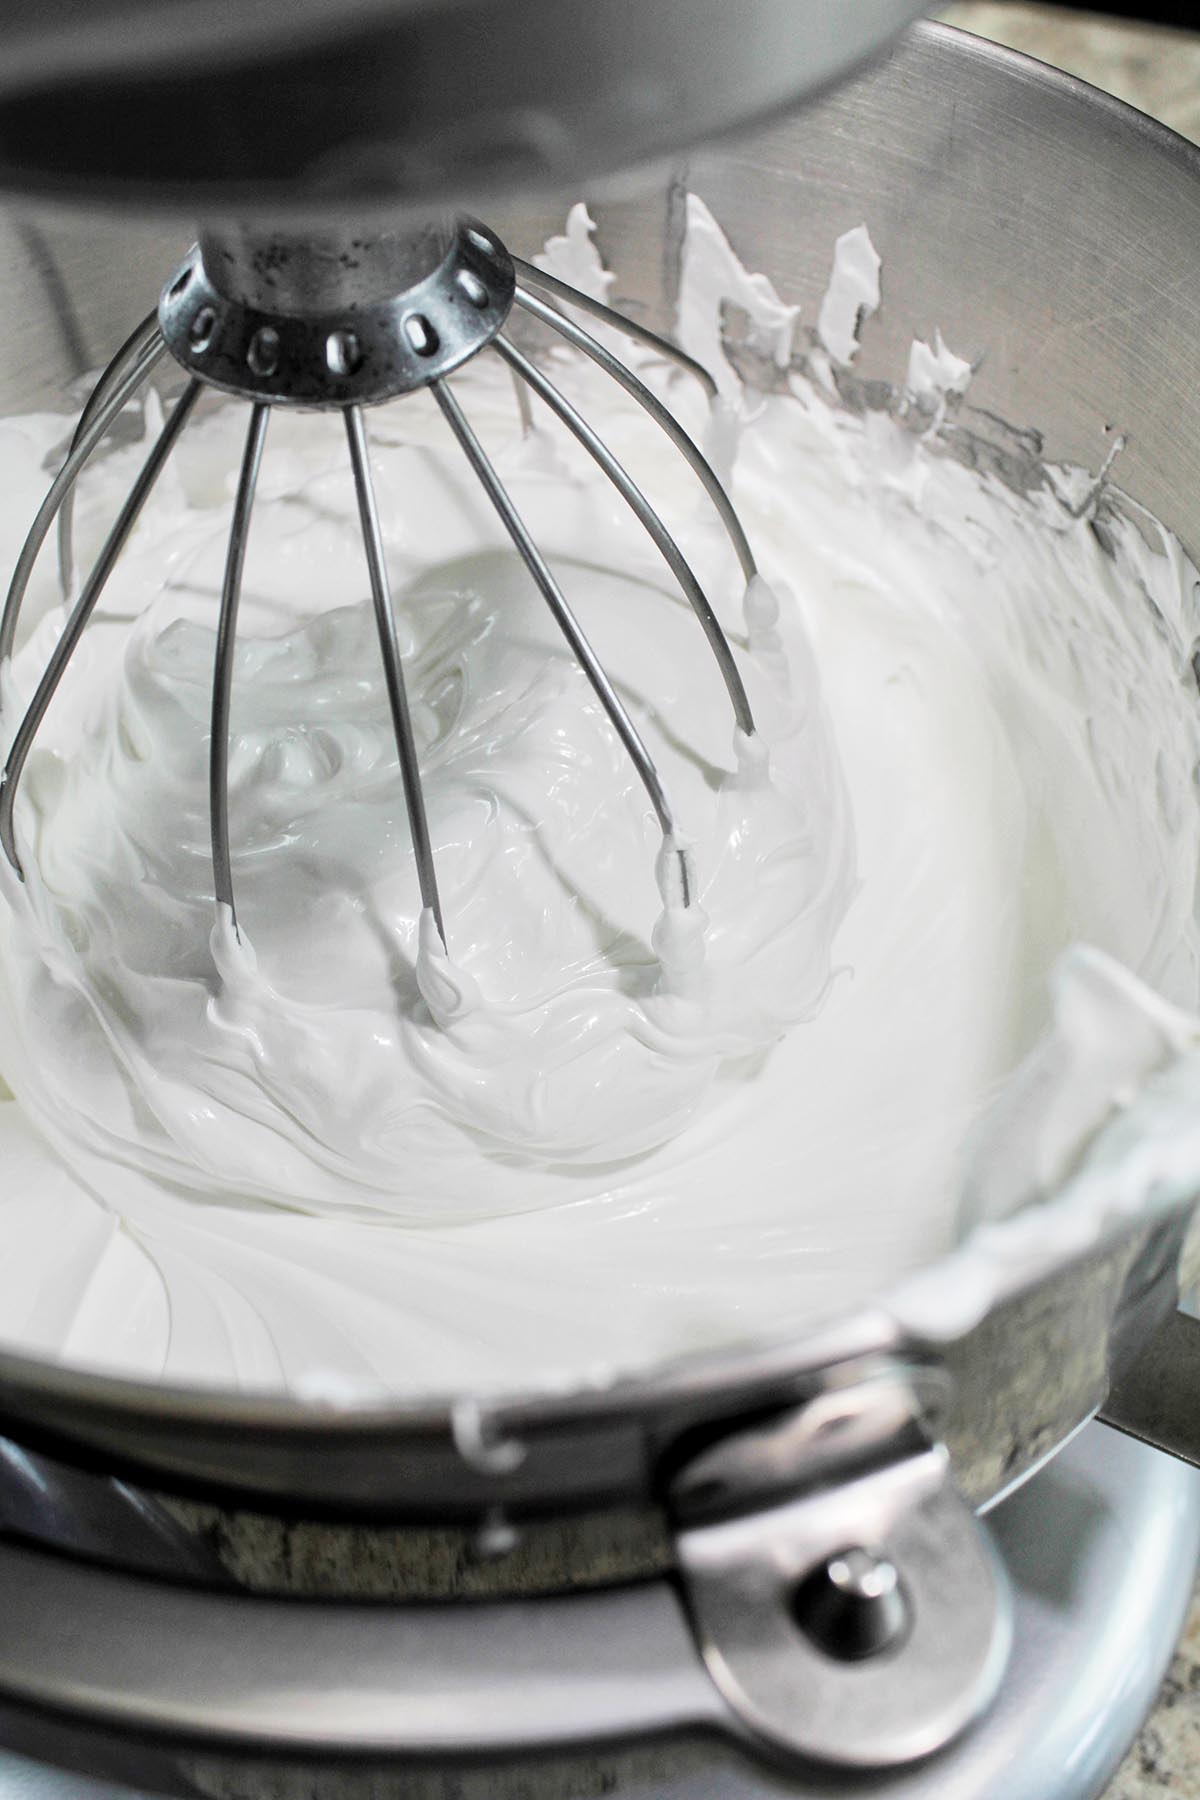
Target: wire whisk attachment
{"x":343,"y":322}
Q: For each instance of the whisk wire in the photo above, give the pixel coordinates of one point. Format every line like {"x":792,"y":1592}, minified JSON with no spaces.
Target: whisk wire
{"x":82,"y":611}
{"x":80,"y":452}
{"x":136,"y":347}
{"x":488,"y":286}
{"x":647,"y":517}
{"x":524,"y":405}
{"x":389,"y":647}
{"x":560,"y":609}
{"x":662,"y":416}
{"x":231,"y":593}
{"x":630,"y":328}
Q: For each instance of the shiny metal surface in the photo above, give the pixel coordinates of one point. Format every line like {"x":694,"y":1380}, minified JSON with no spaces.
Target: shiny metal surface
{"x":1046,"y":230}
{"x":321,"y":268}
{"x":143,"y":342}
{"x":529,"y":373}
{"x":337,"y":320}
{"x":747,"y":1577}
{"x":100,"y":1520}
{"x":612,"y":365}
{"x":532,"y":277}
{"x":81,"y":612}
{"x":222,"y":688}
{"x":129,"y":369}
{"x":544,"y":579}
{"x":147,"y":1659}
{"x":1098,"y":1549}
{"x":223,"y":1671}
{"x":393,"y":667}
{"x":609,"y":1664}
{"x":271,"y":107}
{"x":853,"y":1606}
{"x":351,"y":318}
{"x":1157,"y":1401}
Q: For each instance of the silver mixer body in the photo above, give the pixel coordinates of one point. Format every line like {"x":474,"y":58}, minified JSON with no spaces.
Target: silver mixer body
{"x":1051,"y":234}
{"x":294,"y":109}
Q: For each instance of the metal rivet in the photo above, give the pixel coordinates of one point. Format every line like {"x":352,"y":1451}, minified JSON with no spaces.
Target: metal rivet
{"x":262,"y":358}
{"x":420,"y":334}
{"x":202,"y":327}
{"x":181,"y":283}
{"x":343,"y":353}
{"x":852,"y":1606}
{"x":470,"y":285}
{"x":481,"y":241}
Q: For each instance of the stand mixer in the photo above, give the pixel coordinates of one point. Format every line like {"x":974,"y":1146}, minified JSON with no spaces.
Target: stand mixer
{"x":222,"y":1678}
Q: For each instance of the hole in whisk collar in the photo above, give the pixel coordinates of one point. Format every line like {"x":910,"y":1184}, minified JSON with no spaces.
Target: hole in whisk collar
{"x":262,"y":357}
{"x":201,"y":329}
{"x":343,"y":353}
{"x":421,"y":335}
{"x":472,"y":288}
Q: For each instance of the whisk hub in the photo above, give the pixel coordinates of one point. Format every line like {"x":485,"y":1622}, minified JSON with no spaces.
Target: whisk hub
{"x":350,"y":319}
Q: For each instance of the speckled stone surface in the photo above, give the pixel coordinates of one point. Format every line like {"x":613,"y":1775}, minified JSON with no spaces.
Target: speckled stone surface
{"x":1166,"y":1758}
{"x":1157,"y":69}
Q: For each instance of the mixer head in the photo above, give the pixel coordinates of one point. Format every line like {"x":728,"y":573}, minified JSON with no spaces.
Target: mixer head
{"x":304,"y":109}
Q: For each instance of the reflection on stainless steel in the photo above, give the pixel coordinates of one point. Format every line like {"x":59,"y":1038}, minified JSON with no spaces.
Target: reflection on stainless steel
{"x":1158,"y":1399}
{"x":1051,"y":234}
{"x":403,"y":102}
{"x":65,"y":1509}
{"x":231,"y":591}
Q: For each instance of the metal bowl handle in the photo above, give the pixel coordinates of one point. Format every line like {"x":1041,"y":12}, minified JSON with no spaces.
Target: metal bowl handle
{"x":825,"y":1563}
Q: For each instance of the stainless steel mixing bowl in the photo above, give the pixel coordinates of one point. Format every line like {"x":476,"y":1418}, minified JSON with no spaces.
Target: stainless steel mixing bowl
{"x":1054,"y":235}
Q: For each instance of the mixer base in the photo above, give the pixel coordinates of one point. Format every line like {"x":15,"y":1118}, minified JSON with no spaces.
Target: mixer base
{"x":1101,"y":1546}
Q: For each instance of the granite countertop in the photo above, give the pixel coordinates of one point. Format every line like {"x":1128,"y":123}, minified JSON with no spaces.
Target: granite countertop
{"x":1157,"y":69}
